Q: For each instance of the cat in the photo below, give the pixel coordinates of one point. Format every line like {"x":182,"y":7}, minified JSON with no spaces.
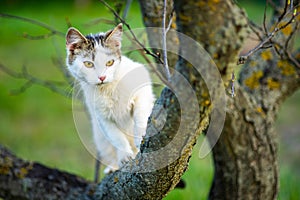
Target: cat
{"x":117,"y":93}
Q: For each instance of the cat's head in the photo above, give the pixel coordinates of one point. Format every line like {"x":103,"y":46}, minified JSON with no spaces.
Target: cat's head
{"x":95,"y":57}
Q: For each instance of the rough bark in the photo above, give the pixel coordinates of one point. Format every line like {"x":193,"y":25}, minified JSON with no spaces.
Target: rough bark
{"x":246,"y":155}
{"x":246,"y":165}
{"x":21,"y":179}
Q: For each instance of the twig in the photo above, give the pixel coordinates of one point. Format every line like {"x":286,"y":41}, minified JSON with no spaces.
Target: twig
{"x":157,"y":58}
{"x":164,"y":41}
{"x":287,"y":2}
{"x":166,"y":82}
{"x":288,"y":55}
{"x":256,"y":29}
{"x":265,"y":17}
{"x":232,"y":85}
{"x":68,"y":22}
{"x":99,"y":20}
{"x":38,"y":37}
{"x":22,"y":89}
{"x":148,"y":61}
{"x":276,"y":8}
{"x":143,"y":49}
{"x":269,"y":36}
{"x":293,"y":59}
{"x":35,"y":22}
{"x":170,"y":20}
{"x":30,"y":80}
{"x":126,"y":9}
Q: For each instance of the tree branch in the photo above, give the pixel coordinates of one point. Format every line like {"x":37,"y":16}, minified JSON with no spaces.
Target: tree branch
{"x":52,"y":30}
{"x":21,"y":179}
{"x":267,"y":41}
{"x":54,"y":86}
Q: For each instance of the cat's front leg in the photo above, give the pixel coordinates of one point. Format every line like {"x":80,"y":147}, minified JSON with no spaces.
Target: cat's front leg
{"x":118,"y":140}
{"x":141,"y":112}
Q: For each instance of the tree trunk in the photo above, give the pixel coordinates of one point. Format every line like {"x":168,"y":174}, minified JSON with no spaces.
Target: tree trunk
{"x":246,"y":155}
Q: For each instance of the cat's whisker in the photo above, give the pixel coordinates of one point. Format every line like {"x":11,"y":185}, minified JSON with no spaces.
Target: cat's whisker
{"x":69,"y":91}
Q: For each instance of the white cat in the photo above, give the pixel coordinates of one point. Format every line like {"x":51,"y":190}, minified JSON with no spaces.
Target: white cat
{"x":117,"y":92}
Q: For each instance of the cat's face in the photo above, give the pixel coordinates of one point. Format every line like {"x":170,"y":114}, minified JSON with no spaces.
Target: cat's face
{"x":94,"y":58}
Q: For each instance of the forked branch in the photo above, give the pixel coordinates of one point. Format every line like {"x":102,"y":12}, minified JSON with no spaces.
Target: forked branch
{"x":54,"y":86}
{"x":287,"y":18}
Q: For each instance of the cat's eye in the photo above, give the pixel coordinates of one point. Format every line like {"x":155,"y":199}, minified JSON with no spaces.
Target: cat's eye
{"x":88,"y":64}
{"x":110,"y":62}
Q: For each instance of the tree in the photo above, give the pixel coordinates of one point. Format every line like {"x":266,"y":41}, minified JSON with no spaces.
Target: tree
{"x":245,"y":155}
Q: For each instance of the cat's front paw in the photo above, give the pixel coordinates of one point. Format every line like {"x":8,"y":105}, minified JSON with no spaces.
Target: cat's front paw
{"x":124,"y":157}
{"x":109,"y":170}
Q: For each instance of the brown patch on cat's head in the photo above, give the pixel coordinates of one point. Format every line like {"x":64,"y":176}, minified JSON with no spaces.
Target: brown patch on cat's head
{"x":73,"y":38}
{"x":76,"y":44}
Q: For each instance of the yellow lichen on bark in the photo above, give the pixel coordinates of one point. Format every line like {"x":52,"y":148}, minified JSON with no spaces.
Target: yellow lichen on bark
{"x":207,"y":102}
{"x":252,"y":82}
{"x":22,"y":172}
{"x":200,"y":3}
{"x":266,"y":55}
{"x":4,"y":170}
{"x":287,"y":30}
{"x":273,"y":84}
{"x":253,"y":63}
{"x":210,"y":4}
{"x":260,"y":111}
{"x":185,"y":18}
{"x":116,"y":179}
{"x":287,"y":69}
{"x":5,"y":164}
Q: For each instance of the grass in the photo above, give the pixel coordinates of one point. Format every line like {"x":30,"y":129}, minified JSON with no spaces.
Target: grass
{"x":38,"y":124}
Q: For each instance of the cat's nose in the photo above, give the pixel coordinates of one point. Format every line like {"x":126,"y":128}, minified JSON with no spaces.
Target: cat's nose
{"x":102,"y":78}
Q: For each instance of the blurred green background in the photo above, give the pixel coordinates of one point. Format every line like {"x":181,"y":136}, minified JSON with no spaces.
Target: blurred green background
{"x":38,"y":124}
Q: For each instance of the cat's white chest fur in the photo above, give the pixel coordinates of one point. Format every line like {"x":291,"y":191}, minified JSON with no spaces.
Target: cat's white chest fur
{"x":108,"y":102}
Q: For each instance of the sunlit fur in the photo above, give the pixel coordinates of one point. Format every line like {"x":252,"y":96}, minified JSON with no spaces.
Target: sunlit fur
{"x":119,"y":105}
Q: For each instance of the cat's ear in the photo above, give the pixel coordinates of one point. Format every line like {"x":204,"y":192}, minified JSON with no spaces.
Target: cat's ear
{"x":113,"y":37}
{"x":73,"y":38}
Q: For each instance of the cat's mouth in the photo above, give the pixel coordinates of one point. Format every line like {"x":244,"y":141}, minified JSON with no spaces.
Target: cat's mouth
{"x":101,"y":83}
